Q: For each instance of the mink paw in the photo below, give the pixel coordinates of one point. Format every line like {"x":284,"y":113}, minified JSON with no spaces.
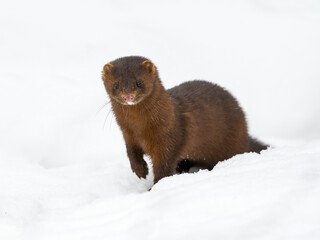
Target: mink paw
{"x":141,"y":170}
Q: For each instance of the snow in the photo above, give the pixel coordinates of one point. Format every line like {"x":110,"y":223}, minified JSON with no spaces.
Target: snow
{"x":64,"y":173}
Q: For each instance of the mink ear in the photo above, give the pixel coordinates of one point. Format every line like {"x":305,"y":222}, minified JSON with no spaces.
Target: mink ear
{"x":149,"y":66}
{"x":107,"y":68}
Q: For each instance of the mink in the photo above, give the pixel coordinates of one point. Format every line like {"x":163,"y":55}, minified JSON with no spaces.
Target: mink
{"x":197,"y":123}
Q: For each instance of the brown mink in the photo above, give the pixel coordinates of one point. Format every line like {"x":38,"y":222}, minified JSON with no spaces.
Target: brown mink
{"x":196,"y":123}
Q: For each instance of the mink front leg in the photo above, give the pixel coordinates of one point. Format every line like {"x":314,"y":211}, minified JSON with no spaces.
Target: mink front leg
{"x":163,"y":168}
{"x":138,"y":164}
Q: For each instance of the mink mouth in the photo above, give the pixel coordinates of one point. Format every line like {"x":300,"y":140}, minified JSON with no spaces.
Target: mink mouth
{"x":135,"y":101}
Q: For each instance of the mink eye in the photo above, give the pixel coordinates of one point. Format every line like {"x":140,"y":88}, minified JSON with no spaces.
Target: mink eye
{"x":116,"y":86}
{"x":139,"y":84}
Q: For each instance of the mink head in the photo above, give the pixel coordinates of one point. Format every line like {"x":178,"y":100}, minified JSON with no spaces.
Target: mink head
{"x":129,"y":80}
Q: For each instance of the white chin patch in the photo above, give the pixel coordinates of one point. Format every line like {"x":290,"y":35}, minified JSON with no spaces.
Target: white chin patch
{"x":130,"y":103}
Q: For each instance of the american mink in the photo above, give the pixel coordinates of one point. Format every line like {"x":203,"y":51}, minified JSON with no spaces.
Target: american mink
{"x":196,"y":123}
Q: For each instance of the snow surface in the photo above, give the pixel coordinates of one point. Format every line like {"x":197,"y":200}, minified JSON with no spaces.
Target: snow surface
{"x":64,"y":173}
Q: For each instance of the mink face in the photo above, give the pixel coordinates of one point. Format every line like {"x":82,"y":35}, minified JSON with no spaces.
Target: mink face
{"x":129,"y":82}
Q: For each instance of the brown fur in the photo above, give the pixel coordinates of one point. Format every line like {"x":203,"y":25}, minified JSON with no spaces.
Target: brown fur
{"x":195,"y":123}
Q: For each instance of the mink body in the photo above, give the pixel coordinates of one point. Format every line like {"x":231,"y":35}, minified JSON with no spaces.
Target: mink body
{"x":196,"y":123}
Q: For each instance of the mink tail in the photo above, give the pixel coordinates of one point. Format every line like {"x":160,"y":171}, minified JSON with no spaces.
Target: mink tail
{"x":256,"y":146}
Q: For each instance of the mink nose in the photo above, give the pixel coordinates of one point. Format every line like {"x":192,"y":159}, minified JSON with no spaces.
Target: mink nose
{"x":128,"y":98}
